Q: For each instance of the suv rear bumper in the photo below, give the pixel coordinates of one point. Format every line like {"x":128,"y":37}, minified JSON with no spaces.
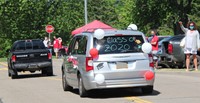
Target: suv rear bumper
{"x":90,"y":83}
{"x":32,"y":66}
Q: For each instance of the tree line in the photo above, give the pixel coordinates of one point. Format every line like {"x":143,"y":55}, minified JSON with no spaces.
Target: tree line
{"x":26,"y":19}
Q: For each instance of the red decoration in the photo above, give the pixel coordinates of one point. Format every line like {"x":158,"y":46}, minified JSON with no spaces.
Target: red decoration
{"x":94,"y":53}
{"x":149,"y":75}
{"x":70,"y":59}
{"x":73,"y":61}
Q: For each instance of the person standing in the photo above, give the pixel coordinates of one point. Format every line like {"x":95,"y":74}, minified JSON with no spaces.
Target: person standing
{"x":60,"y":46}
{"x":56,"y":46}
{"x":191,"y":43}
{"x":60,"y":42}
{"x":46,"y":41}
{"x":154,"y":43}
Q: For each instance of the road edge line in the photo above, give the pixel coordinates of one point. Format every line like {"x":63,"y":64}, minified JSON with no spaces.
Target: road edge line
{"x":4,"y":64}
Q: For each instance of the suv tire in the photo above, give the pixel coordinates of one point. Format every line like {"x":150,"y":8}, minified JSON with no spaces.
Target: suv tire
{"x":9,"y":75}
{"x":14,"y":75}
{"x":82,"y":91}
{"x":48,"y":71}
{"x":66,"y":87}
{"x":147,"y":90}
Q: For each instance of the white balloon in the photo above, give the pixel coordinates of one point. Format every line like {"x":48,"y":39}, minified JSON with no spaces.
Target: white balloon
{"x":132,"y":27}
{"x":146,"y":47}
{"x":99,"y":78}
{"x":99,"y":34}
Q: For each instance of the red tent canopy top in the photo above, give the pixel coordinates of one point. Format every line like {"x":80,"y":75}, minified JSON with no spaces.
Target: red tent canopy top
{"x":90,"y":27}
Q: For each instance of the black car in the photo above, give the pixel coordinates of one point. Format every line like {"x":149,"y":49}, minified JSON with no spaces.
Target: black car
{"x":29,"y":55}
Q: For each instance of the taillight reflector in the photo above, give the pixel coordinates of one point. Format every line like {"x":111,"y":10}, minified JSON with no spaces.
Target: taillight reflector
{"x":89,"y":64}
{"x":170,"y":48}
{"x":13,"y":58}
{"x":49,"y":56}
{"x":151,"y":64}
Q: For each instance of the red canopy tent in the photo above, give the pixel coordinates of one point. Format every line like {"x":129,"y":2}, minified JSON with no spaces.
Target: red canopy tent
{"x":91,"y":27}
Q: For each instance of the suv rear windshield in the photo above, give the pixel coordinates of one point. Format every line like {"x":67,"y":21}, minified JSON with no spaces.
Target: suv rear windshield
{"x":119,"y":44}
{"x":28,"y":44}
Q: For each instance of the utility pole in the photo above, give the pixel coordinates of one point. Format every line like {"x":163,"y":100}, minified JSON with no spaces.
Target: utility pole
{"x":86,"y":19}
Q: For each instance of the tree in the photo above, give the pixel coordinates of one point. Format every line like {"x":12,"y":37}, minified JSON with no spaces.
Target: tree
{"x":195,"y":13}
{"x":124,"y":9}
{"x":102,"y":10}
{"x":26,"y":19}
{"x":162,"y":14}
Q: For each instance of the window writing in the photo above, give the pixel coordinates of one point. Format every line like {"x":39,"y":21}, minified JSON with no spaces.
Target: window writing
{"x":119,"y":44}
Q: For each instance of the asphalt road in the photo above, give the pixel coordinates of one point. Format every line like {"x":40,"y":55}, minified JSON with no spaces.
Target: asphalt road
{"x":171,"y":86}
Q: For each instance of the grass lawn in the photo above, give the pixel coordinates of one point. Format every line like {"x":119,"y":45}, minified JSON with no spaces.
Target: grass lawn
{"x":3,"y":59}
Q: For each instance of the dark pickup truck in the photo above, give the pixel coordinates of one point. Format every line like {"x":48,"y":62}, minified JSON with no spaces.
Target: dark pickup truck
{"x":29,"y":55}
{"x":172,"y":55}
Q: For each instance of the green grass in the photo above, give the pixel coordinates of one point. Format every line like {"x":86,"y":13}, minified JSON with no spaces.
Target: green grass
{"x":3,"y":59}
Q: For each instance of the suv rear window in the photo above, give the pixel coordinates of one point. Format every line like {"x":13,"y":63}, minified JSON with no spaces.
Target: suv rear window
{"x":28,"y":44}
{"x":119,"y":44}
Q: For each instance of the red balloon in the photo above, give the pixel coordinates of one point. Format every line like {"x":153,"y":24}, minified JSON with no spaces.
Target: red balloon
{"x":94,"y":52}
{"x":149,"y":75}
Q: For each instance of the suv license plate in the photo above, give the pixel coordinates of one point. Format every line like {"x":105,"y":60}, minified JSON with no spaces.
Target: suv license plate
{"x":122,"y":65}
{"x":32,"y":66}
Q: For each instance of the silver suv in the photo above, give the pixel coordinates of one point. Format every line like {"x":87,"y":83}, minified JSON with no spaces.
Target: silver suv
{"x":115,"y":61}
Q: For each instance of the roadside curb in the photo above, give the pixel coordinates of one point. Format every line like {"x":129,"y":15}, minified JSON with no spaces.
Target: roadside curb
{"x":176,"y":71}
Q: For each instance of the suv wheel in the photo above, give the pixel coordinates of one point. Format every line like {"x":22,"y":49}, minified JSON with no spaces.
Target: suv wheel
{"x":9,"y":74}
{"x":66,"y":87}
{"x":14,"y":74}
{"x":82,"y":90}
{"x":48,"y":71}
{"x":9,"y":69}
{"x":147,"y":90}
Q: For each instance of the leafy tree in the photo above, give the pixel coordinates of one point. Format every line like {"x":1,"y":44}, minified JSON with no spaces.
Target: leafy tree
{"x":162,"y":14}
{"x":124,"y":9}
{"x":26,"y":19}
{"x":102,"y":10}
{"x":195,"y":13}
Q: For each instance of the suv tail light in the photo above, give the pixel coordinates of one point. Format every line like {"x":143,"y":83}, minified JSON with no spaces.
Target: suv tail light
{"x":151,"y":64}
{"x":170,"y":48}
{"x":13,"y":58}
{"x":89,"y":65}
{"x":49,"y":56}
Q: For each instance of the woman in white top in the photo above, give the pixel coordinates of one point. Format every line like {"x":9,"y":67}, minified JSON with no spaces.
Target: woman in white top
{"x":45,"y":41}
{"x":191,"y":43}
